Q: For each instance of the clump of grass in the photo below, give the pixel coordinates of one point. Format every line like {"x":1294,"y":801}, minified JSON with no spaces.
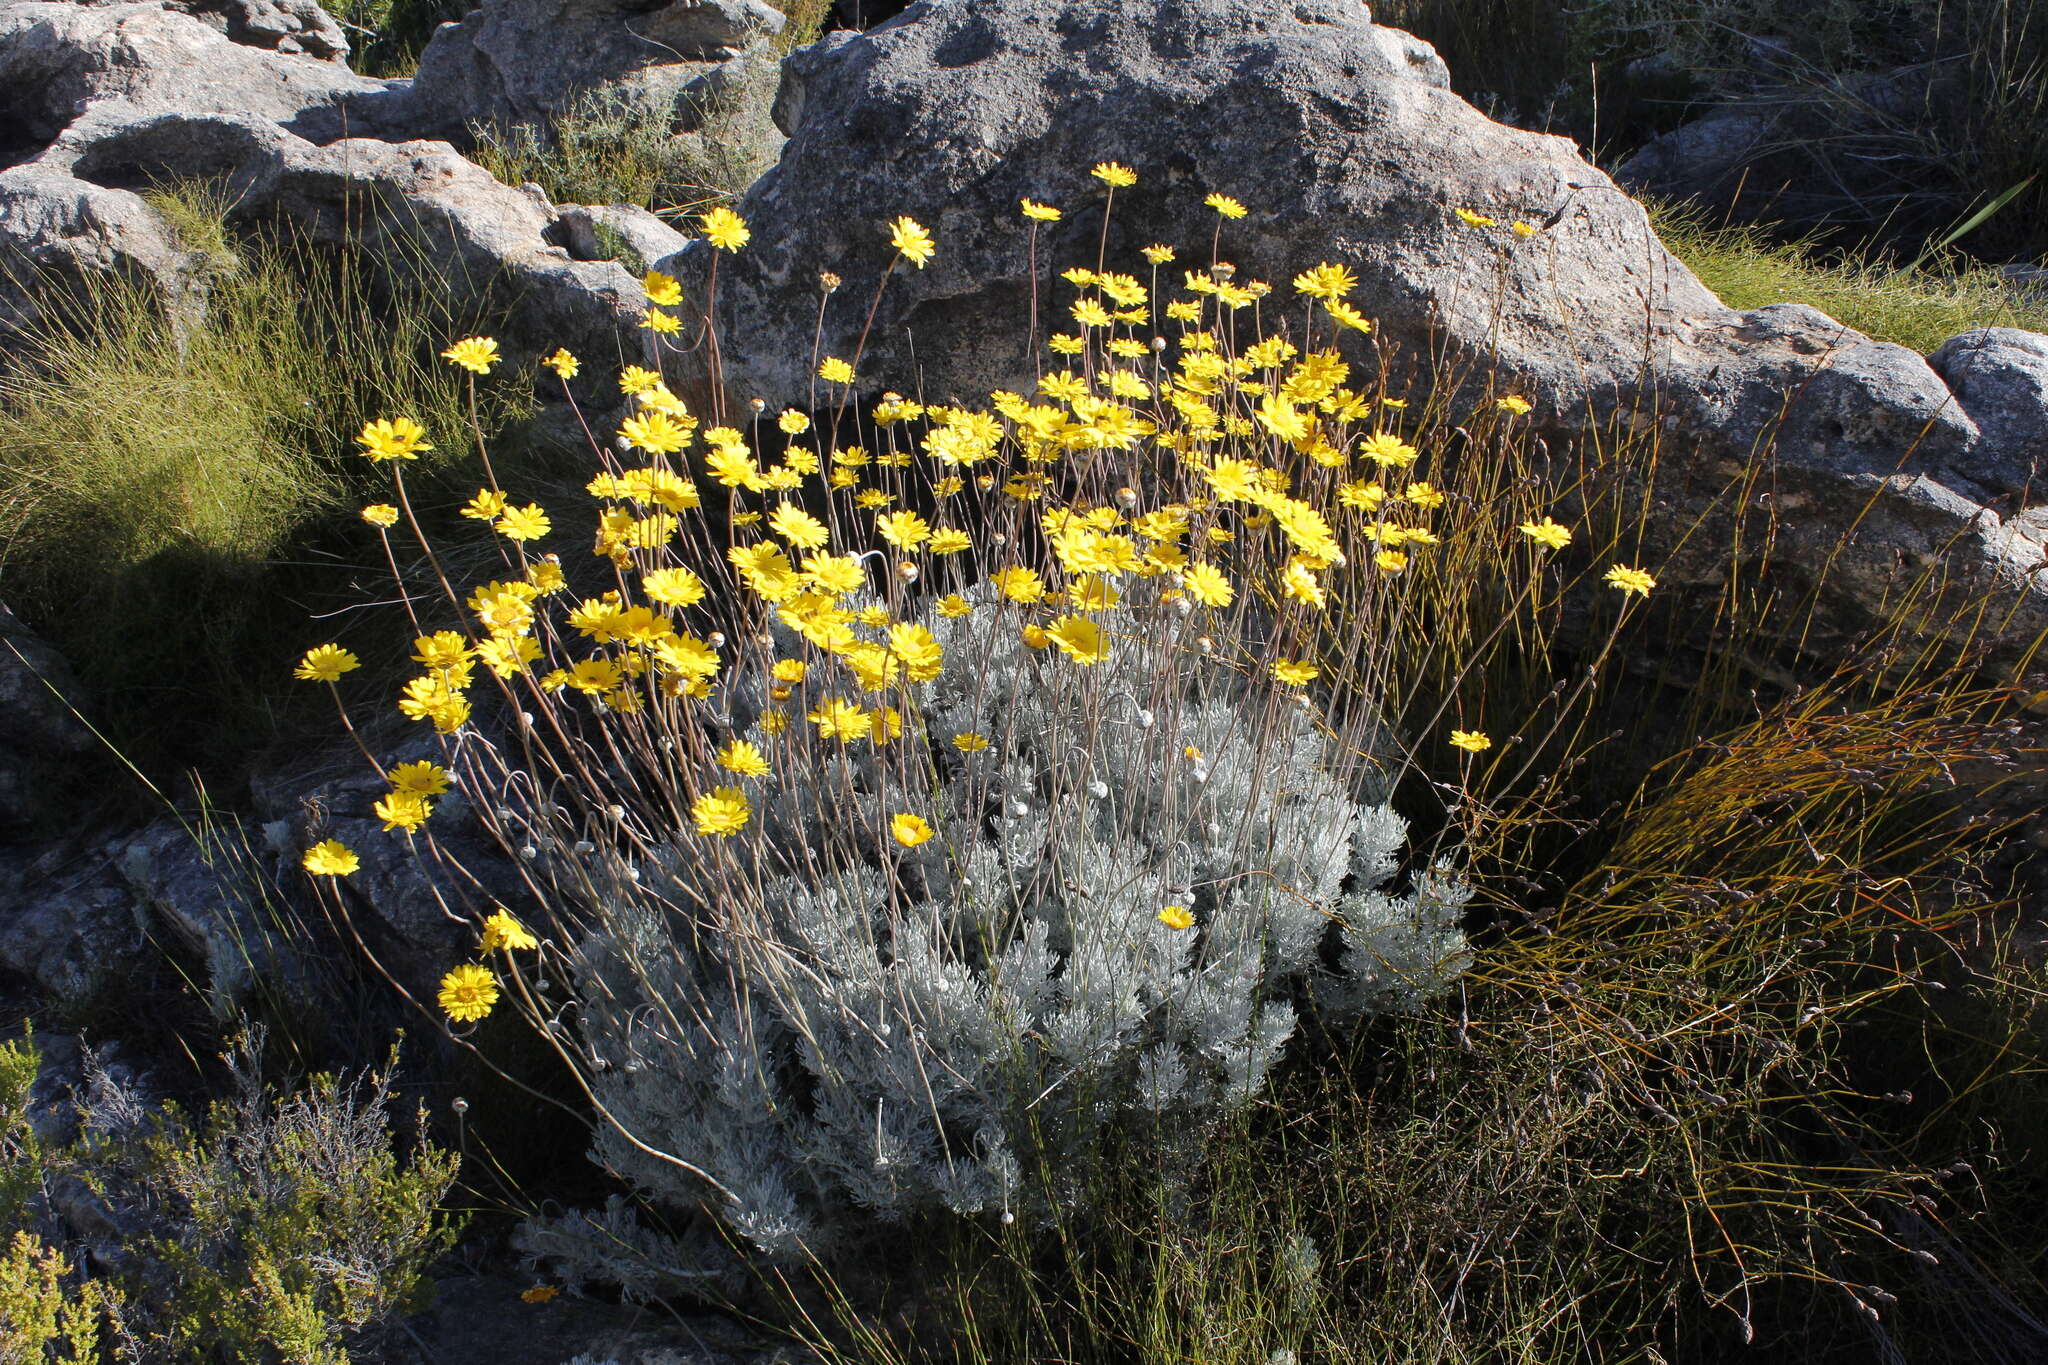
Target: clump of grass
{"x":610,"y":148}
{"x":171,"y":470}
{"x":1920,"y":309}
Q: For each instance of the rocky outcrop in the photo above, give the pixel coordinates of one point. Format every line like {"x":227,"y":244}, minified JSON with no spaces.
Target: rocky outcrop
{"x":520,"y":61}
{"x":1345,"y":143}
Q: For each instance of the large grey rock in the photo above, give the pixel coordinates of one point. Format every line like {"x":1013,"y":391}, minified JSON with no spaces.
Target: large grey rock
{"x":519,"y":61}
{"x":2000,"y":375}
{"x":1344,"y":142}
{"x":61,"y":60}
{"x":43,"y":742}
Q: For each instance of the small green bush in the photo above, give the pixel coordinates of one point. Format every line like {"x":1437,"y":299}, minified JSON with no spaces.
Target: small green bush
{"x":265,"y":1229}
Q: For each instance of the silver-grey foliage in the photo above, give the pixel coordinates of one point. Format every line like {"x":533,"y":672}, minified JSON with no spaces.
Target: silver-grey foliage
{"x":835,"y":1028}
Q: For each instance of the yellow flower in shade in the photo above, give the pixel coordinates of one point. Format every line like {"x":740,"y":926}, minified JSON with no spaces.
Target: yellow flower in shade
{"x":1176,"y":917}
{"x":970,"y":741}
{"x":325,"y":663}
{"x":909,"y":830}
{"x":1040,"y":213}
{"x":330,"y":858}
{"x":1631,"y":580}
{"x":1295,"y":672}
{"x":468,"y":993}
{"x":1117,"y":177}
{"x":954,"y":605}
{"x":1019,"y":584}
{"x":1471,"y":741}
{"x":1225,"y":205}
{"x":1472,"y":219}
{"x":743,"y":758}
{"x":833,"y":370}
{"x":475,"y":354}
{"x":502,"y":933}
{"x":664,"y":290}
{"x":1079,"y":638}
{"x":725,"y":229}
{"x":423,"y":778}
{"x":722,"y":812}
{"x":402,"y":810}
{"x":1512,"y":404}
{"x":393,"y":438}
{"x":524,"y":523}
{"x":381,"y":515}
{"x":912,"y":241}
{"x":1547,"y":533}
{"x":1158,"y":253}
{"x":540,"y":1293}
{"x":1207,"y":585}
{"x":904,"y":530}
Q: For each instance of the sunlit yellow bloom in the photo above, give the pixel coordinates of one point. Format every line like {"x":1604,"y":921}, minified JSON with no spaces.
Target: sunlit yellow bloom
{"x":1114,"y":175}
{"x":381,"y":514}
{"x":330,"y":858}
{"x":675,"y":587}
{"x":1385,"y":448}
{"x":970,"y":741}
{"x":1041,"y":213}
{"x":636,"y":380}
{"x":1079,"y":638}
{"x":1347,"y":316}
{"x":1206,"y":584}
{"x":393,"y":438}
{"x":1326,"y":281}
{"x":722,"y":812}
{"x":1035,"y":637}
{"x":1547,"y":533}
{"x":1225,"y":205}
{"x":1421,"y":495}
{"x":422,"y":778}
{"x":1631,"y":580}
{"x":664,"y":290}
{"x":508,"y":655}
{"x":833,"y":370}
{"x":1472,"y":219}
{"x":1471,"y":741}
{"x":325,"y":663}
{"x":949,"y":540}
{"x":839,"y":719}
{"x":954,"y":605}
{"x":655,"y":432}
{"x":475,"y":354}
{"x":1392,"y":561}
{"x":468,"y":993}
{"x":912,"y":241}
{"x":743,"y":758}
{"x":1299,"y":582}
{"x":1176,"y":917}
{"x":562,"y":363}
{"x":798,"y":527}
{"x":905,"y":530}
{"x":655,"y":320}
{"x":724,"y":229}
{"x":1295,"y":672}
{"x":1512,"y":404}
{"x":524,"y":523}
{"x":909,"y":830}
{"x":1522,"y":229}
{"x":502,"y":933}
{"x":402,"y":810}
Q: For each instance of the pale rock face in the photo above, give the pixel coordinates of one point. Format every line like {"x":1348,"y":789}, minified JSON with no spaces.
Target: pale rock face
{"x":1343,"y":140}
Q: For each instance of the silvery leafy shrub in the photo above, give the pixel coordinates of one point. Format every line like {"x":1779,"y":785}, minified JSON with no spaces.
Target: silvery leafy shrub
{"x":837,"y":1029}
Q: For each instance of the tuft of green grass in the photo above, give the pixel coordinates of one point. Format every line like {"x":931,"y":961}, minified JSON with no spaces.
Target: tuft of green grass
{"x":165,"y":484}
{"x":1919,"y":309}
